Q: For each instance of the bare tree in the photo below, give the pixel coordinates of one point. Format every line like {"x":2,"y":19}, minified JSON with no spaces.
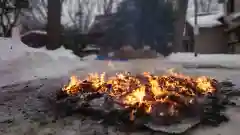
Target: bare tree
{"x":180,"y":20}
{"x":107,"y":6}
{"x":76,"y":14}
{"x":35,"y":18}
{"x":54,"y":23}
{"x":205,"y":6}
{"x":9,"y":14}
{"x":88,"y":8}
{"x":81,"y":14}
{"x":77,"y":17}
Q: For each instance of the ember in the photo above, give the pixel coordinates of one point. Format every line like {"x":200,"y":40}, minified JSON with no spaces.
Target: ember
{"x":164,"y":99}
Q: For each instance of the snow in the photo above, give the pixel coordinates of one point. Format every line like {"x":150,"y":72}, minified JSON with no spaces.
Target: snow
{"x":226,"y":60}
{"x":206,"y":21}
{"x":235,"y":15}
{"x":21,"y":63}
{"x":35,"y":31}
{"x":210,"y":19}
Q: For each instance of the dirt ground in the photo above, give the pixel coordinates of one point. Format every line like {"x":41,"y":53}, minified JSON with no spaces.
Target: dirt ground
{"x":23,"y":111}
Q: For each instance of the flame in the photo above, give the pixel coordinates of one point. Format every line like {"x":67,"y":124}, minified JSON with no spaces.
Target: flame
{"x":73,"y":86}
{"x":132,"y":91}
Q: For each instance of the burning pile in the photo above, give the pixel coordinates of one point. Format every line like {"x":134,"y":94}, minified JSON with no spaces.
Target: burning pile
{"x":170,"y":95}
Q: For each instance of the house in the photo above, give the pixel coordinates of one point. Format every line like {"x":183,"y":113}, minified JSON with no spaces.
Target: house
{"x":211,"y":37}
{"x":231,"y":21}
{"x":232,"y":6}
{"x":218,"y":32}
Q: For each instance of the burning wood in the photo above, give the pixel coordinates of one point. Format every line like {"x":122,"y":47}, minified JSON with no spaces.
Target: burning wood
{"x":146,"y":99}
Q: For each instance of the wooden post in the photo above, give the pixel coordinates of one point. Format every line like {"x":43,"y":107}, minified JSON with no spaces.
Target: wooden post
{"x":54,"y":24}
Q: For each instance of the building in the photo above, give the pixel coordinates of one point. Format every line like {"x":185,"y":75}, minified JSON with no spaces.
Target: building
{"x":232,"y":6}
{"x":231,"y":21}
{"x":211,"y":37}
{"x":218,"y":33}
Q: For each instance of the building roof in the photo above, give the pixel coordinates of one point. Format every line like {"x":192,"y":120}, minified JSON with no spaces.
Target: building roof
{"x":206,"y":21}
{"x":232,"y":22}
{"x":232,"y":17}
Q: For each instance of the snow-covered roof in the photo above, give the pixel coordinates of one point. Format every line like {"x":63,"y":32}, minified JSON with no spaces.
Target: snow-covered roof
{"x":207,"y":18}
{"x":206,"y":21}
{"x":236,"y":14}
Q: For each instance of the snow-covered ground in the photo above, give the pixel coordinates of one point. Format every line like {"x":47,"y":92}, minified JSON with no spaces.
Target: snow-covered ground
{"x":226,"y":60}
{"x":21,"y":63}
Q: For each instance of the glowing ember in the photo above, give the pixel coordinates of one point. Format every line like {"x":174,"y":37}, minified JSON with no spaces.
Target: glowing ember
{"x":175,"y":90}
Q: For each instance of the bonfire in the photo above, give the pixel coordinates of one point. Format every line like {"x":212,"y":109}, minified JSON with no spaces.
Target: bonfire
{"x":174,"y":91}
{"x":154,"y":100}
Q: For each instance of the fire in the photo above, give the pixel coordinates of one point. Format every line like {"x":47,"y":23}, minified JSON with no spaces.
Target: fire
{"x":73,"y":86}
{"x":146,"y":90}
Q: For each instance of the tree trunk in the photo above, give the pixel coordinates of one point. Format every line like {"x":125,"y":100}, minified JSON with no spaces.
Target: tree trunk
{"x":179,"y":25}
{"x":54,"y":24}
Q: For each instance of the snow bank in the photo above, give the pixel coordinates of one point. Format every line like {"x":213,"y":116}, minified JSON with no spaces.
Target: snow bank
{"x":21,"y":63}
{"x":227,"y":60}
{"x":11,"y":49}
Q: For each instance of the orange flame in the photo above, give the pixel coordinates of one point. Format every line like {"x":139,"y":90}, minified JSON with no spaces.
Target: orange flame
{"x":148,"y":90}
